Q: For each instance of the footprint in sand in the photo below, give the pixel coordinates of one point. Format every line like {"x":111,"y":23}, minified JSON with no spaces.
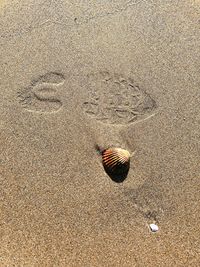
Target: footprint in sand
{"x":41,"y":94}
{"x":114,"y":99}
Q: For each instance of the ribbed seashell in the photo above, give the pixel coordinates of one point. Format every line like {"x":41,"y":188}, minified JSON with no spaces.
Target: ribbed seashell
{"x":116,"y":162}
{"x":115,"y":157}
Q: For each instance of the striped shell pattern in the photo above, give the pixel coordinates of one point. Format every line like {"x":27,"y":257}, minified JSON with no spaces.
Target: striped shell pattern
{"x":115,"y":158}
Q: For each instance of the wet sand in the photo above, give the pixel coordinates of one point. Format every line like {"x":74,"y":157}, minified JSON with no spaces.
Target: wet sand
{"x":74,"y":75}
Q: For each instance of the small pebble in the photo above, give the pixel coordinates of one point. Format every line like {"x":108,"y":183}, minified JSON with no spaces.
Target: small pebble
{"x":153,"y":227}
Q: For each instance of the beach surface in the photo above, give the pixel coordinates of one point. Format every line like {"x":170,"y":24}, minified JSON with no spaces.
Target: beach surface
{"x":76,"y":74}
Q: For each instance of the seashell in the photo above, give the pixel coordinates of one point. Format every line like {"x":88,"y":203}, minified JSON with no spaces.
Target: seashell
{"x":153,"y":227}
{"x":115,"y":157}
{"x":116,"y":162}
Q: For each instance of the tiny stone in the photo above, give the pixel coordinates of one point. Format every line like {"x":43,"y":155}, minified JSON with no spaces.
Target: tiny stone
{"x":153,"y":227}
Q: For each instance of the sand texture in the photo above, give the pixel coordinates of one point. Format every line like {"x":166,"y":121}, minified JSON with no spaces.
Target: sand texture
{"x":74,"y":74}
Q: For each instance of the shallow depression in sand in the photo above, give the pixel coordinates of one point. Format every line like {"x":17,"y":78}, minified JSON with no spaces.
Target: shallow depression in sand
{"x":114,"y":99}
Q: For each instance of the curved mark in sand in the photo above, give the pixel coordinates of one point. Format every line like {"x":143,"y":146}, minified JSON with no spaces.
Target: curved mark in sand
{"x":90,"y":10}
{"x":114,"y":99}
{"x":41,"y":94}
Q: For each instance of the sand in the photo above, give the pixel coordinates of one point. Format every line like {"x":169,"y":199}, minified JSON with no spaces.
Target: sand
{"x":114,"y":73}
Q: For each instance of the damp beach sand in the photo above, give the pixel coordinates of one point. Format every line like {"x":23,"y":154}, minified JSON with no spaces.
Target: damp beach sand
{"x":77,"y":74}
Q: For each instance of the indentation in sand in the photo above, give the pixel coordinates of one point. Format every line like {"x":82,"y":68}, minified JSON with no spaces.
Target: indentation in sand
{"x":40,"y":95}
{"x":115,"y":99}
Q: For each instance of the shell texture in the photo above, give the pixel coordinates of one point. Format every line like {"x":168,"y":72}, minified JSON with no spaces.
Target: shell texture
{"x":115,"y":158}
{"x":116,"y":162}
